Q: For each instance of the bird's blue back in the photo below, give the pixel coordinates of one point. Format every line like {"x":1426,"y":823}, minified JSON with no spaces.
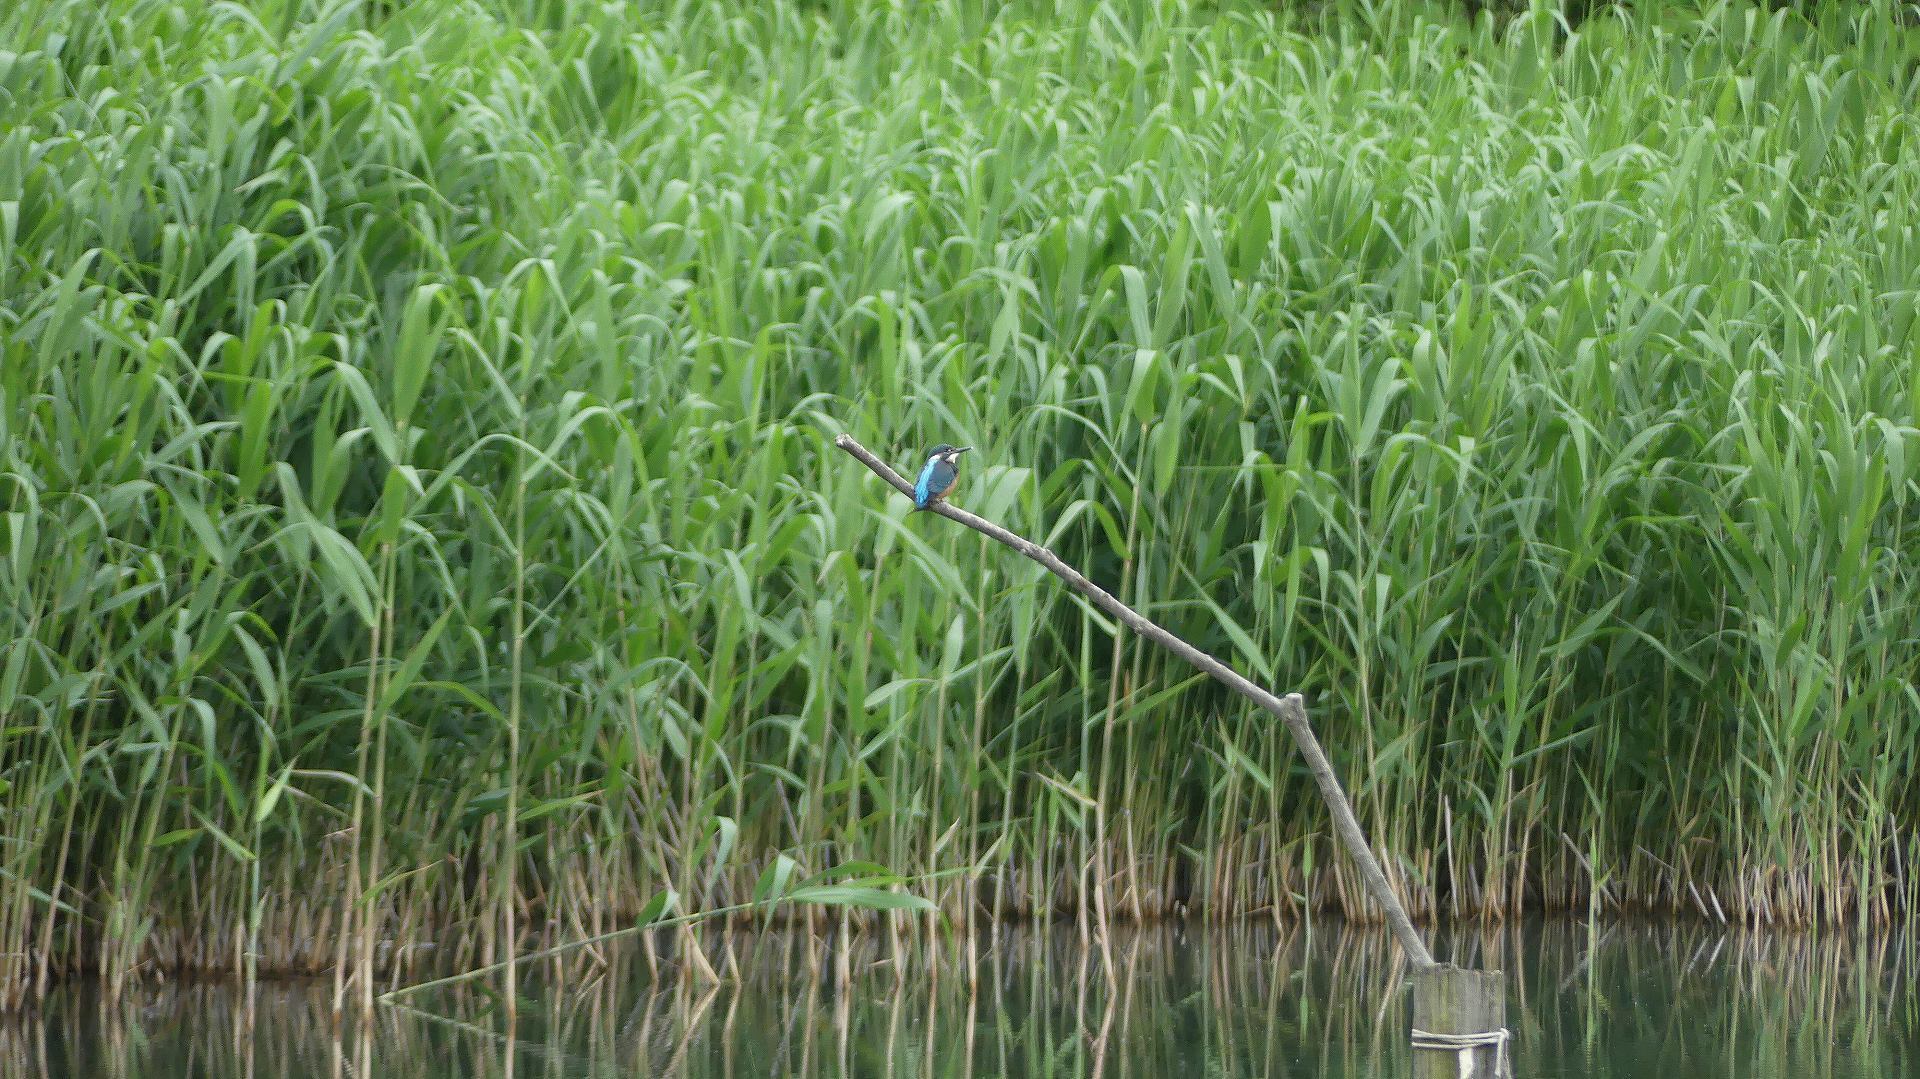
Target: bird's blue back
{"x":935,"y":478}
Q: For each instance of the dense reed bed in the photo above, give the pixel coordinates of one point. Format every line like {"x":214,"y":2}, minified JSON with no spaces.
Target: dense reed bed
{"x":417,"y":528}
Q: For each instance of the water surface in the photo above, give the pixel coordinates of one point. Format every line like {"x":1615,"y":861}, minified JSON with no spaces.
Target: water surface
{"x":1175,"y":1001}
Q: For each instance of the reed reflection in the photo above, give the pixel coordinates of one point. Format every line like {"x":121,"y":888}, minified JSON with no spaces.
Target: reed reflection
{"x":1618,"y":1001}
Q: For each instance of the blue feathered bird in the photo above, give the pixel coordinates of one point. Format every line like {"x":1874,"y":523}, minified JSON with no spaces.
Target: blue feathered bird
{"x":938,"y":476}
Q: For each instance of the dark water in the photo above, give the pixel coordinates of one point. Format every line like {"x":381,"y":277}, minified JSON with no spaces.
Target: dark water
{"x":1188,"y":1003}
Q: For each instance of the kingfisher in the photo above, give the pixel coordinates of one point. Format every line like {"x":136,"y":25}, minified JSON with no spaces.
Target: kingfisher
{"x":938,"y":475}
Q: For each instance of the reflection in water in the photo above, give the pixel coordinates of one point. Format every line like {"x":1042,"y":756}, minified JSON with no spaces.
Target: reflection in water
{"x":1182,"y":1001}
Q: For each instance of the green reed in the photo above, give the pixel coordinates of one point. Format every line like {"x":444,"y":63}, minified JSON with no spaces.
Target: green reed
{"x":417,"y":527}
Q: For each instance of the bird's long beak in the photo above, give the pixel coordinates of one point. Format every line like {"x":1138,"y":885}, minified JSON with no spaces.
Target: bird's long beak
{"x":959,"y":451}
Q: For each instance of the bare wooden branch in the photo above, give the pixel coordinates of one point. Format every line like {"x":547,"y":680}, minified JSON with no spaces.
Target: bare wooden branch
{"x":1290,"y":709}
